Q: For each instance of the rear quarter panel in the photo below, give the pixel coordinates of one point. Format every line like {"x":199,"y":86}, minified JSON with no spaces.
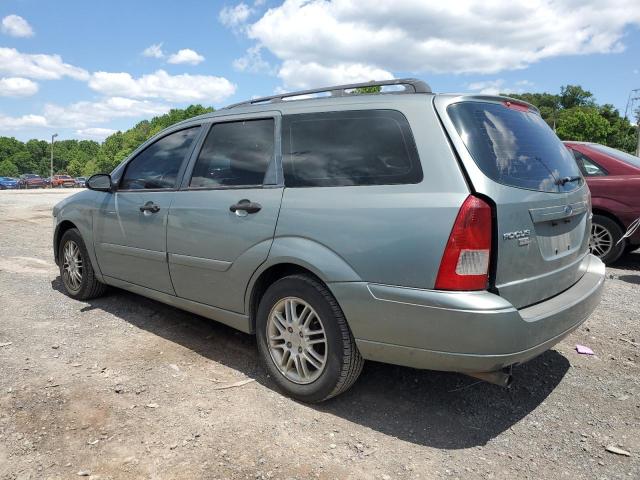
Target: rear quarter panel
{"x":388,"y":234}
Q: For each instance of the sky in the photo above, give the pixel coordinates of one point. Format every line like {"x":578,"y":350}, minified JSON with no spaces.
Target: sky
{"x":86,"y":69}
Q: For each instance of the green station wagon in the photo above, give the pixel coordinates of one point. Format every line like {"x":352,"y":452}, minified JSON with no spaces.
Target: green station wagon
{"x":436,"y":231}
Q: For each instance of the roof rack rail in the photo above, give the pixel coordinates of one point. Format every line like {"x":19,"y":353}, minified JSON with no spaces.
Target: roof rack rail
{"x":411,"y":85}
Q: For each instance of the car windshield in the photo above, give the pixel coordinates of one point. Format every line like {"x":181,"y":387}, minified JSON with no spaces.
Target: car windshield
{"x":617,"y":154}
{"x":514,"y":146}
{"x":30,"y":175}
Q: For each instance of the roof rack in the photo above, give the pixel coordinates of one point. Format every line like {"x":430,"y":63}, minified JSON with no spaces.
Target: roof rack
{"x":411,"y":85}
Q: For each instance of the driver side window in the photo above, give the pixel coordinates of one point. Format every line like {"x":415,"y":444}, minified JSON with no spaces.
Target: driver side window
{"x":157,"y":166}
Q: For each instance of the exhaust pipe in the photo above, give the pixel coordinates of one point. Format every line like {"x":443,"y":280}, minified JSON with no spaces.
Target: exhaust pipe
{"x":502,"y":377}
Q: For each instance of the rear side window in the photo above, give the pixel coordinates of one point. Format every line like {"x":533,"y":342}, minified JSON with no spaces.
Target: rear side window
{"x":235,"y":153}
{"x":367,"y":147}
{"x":515,"y":147}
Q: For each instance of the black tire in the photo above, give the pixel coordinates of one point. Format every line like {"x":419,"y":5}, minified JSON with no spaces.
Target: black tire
{"x":615,"y":231}
{"x":343,"y":360}
{"x":89,"y":286}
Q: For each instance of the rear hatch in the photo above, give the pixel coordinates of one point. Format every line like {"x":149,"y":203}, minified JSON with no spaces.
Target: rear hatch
{"x":542,"y":203}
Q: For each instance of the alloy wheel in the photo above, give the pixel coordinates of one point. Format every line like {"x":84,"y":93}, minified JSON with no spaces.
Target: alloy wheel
{"x":72,"y":267}
{"x":297,"y":340}
{"x":601,"y":241}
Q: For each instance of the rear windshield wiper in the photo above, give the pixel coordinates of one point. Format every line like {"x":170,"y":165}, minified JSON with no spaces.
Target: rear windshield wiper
{"x":565,"y":180}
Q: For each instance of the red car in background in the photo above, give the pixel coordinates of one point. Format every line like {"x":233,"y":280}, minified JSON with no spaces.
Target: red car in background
{"x":31,"y":180}
{"x":62,"y":181}
{"x":613,"y":177}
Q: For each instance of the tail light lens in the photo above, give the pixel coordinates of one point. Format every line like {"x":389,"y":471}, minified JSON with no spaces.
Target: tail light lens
{"x":465,"y":263}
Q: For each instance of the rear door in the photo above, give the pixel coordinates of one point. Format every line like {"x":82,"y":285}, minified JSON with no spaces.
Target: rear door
{"x":542,"y":203}
{"x":222,"y":221}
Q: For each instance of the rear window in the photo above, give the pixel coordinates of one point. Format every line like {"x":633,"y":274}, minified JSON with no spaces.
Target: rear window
{"x":617,"y":154}
{"x":515,"y":147}
{"x":365,"y":147}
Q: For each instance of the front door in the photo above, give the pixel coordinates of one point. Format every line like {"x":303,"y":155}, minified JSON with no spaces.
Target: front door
{"x":221,"y":224}
{"x":130,"y":227}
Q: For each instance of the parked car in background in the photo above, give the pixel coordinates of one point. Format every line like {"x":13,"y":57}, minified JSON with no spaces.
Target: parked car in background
{"x":62,"y":181}
{"x":613,"y":177}
{"x":31,"y":180}
{"x":8,"y":183}
{"x":80,"y":182}
{"x":446,"y":232}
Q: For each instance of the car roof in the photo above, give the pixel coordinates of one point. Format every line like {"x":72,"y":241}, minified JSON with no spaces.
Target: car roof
{"x":338,"y":96}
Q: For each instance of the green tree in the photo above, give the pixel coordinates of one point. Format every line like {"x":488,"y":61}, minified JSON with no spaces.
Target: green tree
{"x":583,"y":124}
{"x":575,"y":96}
{"x":8,"y":169}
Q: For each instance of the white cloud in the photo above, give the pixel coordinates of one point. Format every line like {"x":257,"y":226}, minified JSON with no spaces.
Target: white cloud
{"x":95,"y":133}
{"x":153,"y":51}
{"x":25,"y":121}
{"x":299,"y":75}
{"x":498,"y":86}
{"x":253,"y":62}
{"x":460,"y":36}
{"x":186,"y":55}
{"x":16,"y":26}
{"x":17,"y":87}
{"x":488,"y":87}
{"x":236,"y":16}
{"x":171,"y":88}
{"x":82,"y":115}
{"x":40,"y":66}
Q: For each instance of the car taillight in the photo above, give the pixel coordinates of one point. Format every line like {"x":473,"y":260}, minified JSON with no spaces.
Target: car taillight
{"x":465,"y":262}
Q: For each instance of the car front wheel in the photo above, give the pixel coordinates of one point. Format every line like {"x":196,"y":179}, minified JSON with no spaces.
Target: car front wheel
{"x":304,"y":340}
{"x":605,"y":235}
{"x":76,"y":271}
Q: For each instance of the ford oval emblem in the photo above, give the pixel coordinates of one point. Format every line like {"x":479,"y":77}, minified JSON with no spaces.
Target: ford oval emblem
{"x":568,"y":209}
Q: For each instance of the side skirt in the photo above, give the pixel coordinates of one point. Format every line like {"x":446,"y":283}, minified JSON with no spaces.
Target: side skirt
{"x":235,"y":320}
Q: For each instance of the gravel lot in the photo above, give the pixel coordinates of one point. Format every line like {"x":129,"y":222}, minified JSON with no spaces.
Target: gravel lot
{"x":123,"y":387}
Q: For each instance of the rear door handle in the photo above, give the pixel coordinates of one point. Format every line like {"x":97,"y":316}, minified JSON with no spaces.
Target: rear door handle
{"x":245,"y":205}
{"x":150,"y":207}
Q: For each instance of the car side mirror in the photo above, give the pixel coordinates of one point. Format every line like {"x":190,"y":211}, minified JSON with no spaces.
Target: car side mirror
{"x":100,"y":182}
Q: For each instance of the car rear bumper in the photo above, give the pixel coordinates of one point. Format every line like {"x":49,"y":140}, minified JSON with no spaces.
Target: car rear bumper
{"x":462,"y":331}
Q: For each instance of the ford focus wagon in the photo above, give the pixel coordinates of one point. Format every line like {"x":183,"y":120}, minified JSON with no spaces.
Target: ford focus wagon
{"x":370,"y":221}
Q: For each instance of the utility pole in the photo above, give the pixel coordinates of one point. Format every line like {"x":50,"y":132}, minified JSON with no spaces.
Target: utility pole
{"x":631,"y":102}
{"x":638,"y":147}
{"x":53,"y":137}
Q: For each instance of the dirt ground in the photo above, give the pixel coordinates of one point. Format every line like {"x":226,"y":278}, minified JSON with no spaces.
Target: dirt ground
{"x":124,"y":388}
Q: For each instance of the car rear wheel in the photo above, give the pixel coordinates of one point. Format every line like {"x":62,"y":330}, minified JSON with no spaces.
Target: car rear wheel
{"x":76,"y":271}
{"x":304,"y":340}
{"x":605,"y":234}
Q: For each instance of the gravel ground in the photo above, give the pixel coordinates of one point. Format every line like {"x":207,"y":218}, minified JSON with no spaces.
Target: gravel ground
{"x":123,"y":388}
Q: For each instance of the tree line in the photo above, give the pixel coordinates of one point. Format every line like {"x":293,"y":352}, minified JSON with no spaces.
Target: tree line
{"x":573,"y":113}
{"x":85,"y":157}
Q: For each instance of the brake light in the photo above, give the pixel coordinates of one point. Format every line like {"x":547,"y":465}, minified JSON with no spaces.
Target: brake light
{"x":465,"y":262}
{"x":521,"y":107}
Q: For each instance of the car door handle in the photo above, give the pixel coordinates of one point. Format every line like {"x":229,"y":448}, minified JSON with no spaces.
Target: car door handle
{"x":150,"y":207}
{"x":246,"y":206}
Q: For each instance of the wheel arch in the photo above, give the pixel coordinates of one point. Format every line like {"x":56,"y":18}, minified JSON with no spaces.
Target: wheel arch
{"x":295,"y":255}
{"x":606,"y":213}
{"x":61,"y":228}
